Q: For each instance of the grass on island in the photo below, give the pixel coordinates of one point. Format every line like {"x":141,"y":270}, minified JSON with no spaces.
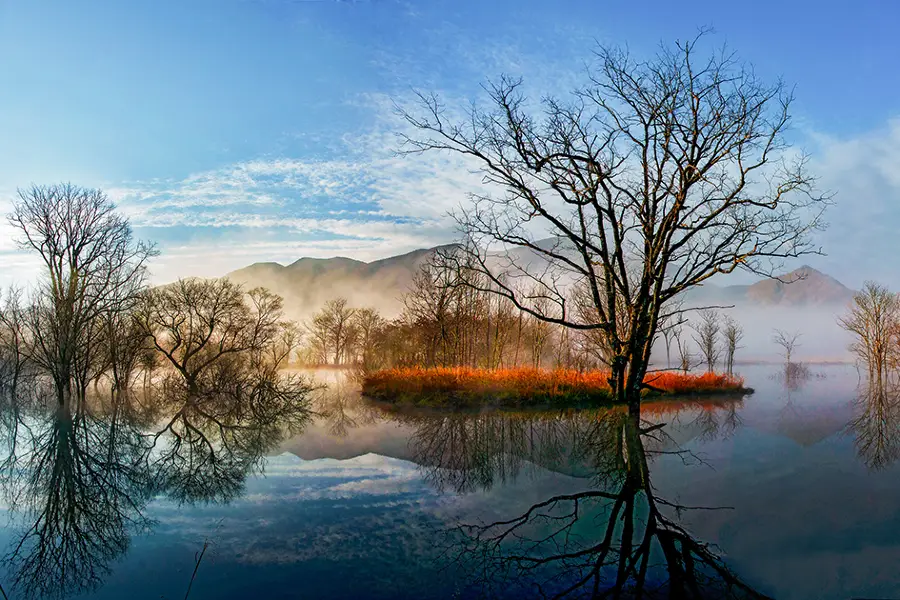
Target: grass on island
{"x":463,"y":386}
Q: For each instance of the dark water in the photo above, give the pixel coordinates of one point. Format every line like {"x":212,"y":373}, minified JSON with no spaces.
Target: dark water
{"x":797,"y":484}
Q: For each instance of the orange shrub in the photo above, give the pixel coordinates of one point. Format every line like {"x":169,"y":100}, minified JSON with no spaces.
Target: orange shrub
{"x":518,"y":386}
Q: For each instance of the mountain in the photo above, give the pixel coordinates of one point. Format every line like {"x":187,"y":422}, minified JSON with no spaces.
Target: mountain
{"x":310,"y":282}
{"x":803,"y":287}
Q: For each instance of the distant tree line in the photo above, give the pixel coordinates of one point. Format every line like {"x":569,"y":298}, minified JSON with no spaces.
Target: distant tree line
{"x":444,"y":323}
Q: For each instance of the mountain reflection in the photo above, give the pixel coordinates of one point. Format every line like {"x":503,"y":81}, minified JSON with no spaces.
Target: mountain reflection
{"x":78,"y":476}
{"x":618,"y":538}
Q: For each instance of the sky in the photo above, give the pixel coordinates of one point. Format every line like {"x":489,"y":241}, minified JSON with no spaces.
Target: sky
{"x":239,"y":131}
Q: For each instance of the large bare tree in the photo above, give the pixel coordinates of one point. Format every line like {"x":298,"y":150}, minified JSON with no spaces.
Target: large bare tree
{"x":651,"y":178}
{"x":92,"y":267}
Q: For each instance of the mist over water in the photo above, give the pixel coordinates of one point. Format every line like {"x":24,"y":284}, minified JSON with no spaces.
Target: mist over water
{"x":821,"y":338}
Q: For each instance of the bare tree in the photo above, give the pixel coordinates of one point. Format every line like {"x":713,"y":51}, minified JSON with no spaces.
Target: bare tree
{"x":198,"y":324}
{"x":277,"y":353}
{"x":669,"y":326}
{"x":707,"y":336}
{"x":92,"y":267}
{"x":652,"y":178}
{"x":733,"y":334}
{"x":14,"y":343}
{"x":686,"y":359}
{"x":789,"y":341}
{"x":122,"y":342}
{"x":335,"y":322}
{"x":369,"y":325}
{"x":317,"y":340}
{"x":539,"y":332}
{"x":874,"y":321}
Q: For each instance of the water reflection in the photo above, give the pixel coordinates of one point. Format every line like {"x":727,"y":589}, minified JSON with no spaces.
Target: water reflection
{"x":876,"y":424}
{"x":565,"y":499}
{"x":78,"y":476}
{"x":80,"y":482}
{"x":343,"y":409}
{"x":616,"y":539}
{"x":211,"y":442}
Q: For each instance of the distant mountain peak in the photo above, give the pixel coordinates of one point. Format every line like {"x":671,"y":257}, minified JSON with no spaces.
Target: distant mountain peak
{"x":803,"y":286}
{"x":806,"y":271}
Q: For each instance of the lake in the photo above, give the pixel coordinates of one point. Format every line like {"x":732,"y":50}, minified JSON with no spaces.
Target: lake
{"x":792,"y":492}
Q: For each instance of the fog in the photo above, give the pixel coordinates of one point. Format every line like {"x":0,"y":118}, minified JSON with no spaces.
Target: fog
{"x":821,"y":338}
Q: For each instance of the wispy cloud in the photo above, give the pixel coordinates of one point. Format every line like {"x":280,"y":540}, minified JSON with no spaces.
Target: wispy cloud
{"x":367,"y":203}
{"x":864,"y":174}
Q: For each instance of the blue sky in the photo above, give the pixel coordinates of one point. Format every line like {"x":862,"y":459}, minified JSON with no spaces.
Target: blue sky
{"x":239,"y":131}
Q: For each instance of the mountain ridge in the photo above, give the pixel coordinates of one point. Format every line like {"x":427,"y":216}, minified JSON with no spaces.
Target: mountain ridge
{"x":308,"y":282}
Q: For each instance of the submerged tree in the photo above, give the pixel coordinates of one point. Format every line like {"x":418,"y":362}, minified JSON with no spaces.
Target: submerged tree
{"x":651,"y":178}
{"x":93,"y":268}
{"x":733,"y":334}
{"x":789,"y":341}
{"x":707,"y":337}
{"x":874,"y":321}
{"x":199,"y":325}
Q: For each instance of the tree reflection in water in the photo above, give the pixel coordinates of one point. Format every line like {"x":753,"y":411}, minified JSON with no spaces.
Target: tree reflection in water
{"x":80,"y":483}
{"x":79,"y":475}
{"x":342,"y":407}
{"x":212,"y":441}
{"x":876,"y":425}
{"x":618,"y":539}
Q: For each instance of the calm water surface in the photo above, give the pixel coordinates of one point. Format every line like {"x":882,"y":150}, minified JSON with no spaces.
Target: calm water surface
{"x":795,"y":494}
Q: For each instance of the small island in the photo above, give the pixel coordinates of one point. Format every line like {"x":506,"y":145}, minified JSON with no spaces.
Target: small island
{"x":525,"y":387}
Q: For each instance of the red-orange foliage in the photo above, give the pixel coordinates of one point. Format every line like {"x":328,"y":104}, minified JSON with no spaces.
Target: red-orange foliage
{"x":526,"y":385}
{"x":676,"y":382}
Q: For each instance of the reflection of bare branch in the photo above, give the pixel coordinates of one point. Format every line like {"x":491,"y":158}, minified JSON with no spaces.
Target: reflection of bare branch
{"x":343,"y":408}
{"x":83,"y":487}
{"x":467,"y":452}
{"x":877,"y":424}
{"x":555,"y":548}
{"x":81,"y":475}
{"x":215,"y":439}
